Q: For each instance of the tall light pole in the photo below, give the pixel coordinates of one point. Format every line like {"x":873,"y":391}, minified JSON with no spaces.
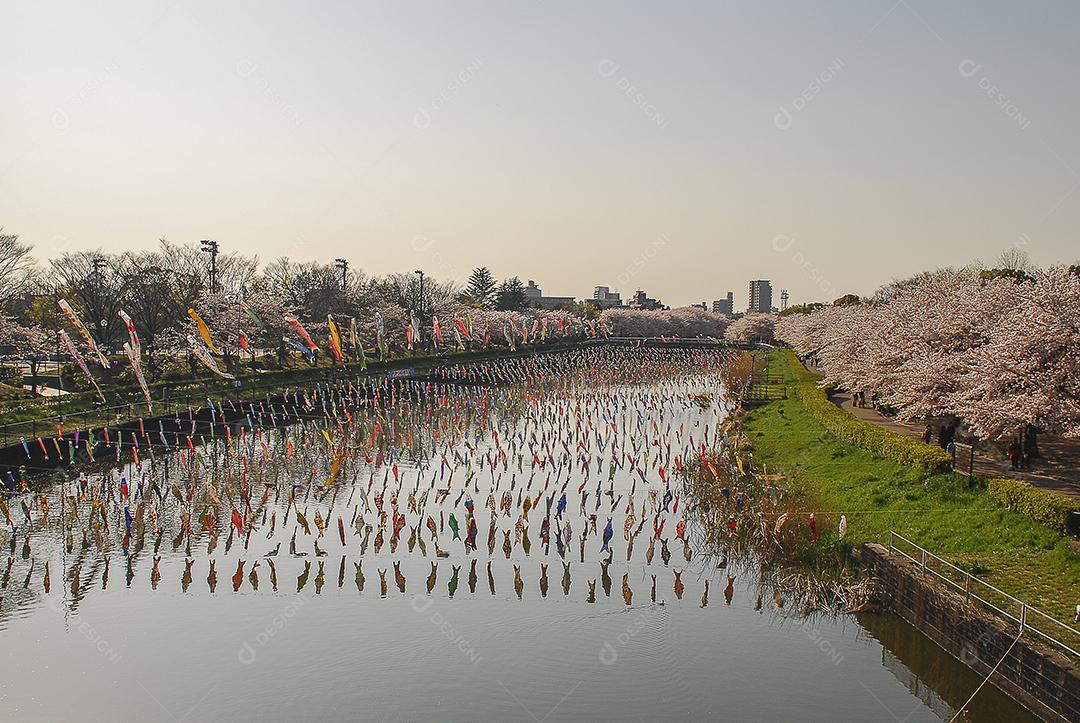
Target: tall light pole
{"x":420,"y":300}
{"x":99,"y":263}
{"x":59,"y":377}
{"x":240,"y":296}
{"x":343,"y":264}
{"x":211,"y":247}
{"x":99,"y":270}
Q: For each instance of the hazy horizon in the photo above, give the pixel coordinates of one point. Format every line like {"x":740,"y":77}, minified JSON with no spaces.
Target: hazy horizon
{"x":683,"y":149}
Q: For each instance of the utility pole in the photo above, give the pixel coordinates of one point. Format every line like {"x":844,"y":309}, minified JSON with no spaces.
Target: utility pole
{"x":343,"y":264}
{"x":211,"y":247}
{"x":420,"y":300}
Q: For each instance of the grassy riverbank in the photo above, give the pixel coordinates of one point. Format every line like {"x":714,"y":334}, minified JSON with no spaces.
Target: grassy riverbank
{"x":943,"y":512}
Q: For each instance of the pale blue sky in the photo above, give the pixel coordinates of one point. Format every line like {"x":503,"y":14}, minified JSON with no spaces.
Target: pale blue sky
{"x":624,"y":144}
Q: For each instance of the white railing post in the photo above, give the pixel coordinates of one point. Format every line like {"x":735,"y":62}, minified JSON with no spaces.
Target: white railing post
{"x":1001,"y":612}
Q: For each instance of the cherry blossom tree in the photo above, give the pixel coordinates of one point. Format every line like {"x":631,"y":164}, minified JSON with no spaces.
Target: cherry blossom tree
{"x":1028,"y":371}
{"x":997,"y":350}
{"x":32,"y":345}
{"x":260,"y":318}
{"x":752,"y":327}
{"x":683,"y":322}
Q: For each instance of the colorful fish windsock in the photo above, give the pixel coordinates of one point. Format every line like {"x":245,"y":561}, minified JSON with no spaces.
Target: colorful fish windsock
{"x":299,"y":347}
{"x":353,"y":339}
{"x":414,"y":324}
{"x":136,"y":366}
{"x":83,"y":331}
{"x":436,"y":330}
{"x":253,"y":316}
{"x":243,"y":341}
{"x":380,"y":335}
{"x":204,"y":330}
{"x":78,"y":360}
{"x":130,"y":325}
{"x":203,"y":355}
{"x":335,"y":340}
{"x":301,"y":331}
{"x":461,"y":327}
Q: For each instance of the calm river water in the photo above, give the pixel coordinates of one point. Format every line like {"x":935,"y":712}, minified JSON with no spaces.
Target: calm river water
{"x":521,"y":628}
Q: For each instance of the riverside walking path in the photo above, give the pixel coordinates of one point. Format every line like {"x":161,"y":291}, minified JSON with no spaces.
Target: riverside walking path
{"x":1058,"y":469}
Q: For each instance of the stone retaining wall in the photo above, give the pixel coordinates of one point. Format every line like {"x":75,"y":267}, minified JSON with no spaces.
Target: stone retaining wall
{"x":1043,"y":681}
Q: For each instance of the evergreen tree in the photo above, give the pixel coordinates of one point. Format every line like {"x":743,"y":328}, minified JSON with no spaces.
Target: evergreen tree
{"x":511,"y":295}
{"x":482,"y":287}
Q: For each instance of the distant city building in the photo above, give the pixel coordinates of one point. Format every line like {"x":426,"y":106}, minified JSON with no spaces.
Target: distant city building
{"x":535,"y":297}
{"x":642,"y":301}
{"x":605,"y":298}
{"x":760,"y":296}
{"x":783,"y":299}
{"x":725,"y":305}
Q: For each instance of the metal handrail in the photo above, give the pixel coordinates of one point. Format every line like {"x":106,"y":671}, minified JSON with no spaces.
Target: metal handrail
{"x":1026,"y":611}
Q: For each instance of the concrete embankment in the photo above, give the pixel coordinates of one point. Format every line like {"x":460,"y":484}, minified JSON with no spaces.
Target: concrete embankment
{"x":1042,"y":680}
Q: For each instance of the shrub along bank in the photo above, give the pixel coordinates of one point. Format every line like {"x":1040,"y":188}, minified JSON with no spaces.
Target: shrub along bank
{"x":1043,"y":506}
{"x":939,"y":510}
{"x":847,"y":428}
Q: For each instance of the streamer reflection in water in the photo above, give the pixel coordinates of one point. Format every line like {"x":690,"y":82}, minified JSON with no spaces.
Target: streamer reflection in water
{"x":588,"y":446}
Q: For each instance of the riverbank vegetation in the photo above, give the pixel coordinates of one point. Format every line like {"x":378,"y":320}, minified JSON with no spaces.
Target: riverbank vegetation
{"x":753,"y":526}
{"x":949,"y":514}
{"x":752,"y":522}
{"x":852,"y":430}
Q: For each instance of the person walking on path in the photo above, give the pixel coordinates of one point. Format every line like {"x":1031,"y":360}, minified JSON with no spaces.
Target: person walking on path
{"x":1014,"y":454}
